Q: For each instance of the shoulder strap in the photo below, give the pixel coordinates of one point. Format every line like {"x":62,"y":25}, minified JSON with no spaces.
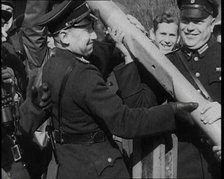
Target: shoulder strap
{"x":61,"y":91}
{"x":197,"y":82}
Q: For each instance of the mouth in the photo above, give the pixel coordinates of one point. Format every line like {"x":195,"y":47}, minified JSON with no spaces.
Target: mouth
{"x":166,"y":46}
{"x":90,"y":43}
{"x":190,"y":35}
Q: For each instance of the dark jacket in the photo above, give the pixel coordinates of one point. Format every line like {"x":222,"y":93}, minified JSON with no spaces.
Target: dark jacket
{"x":87,"y":106}
{"x":193,"y":155}
{"x":196,"y":158}
{"x":205,"y":63}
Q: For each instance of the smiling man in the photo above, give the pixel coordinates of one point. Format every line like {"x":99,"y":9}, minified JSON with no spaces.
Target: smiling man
{"x":165,"y":32}
{"x":199,"y":59}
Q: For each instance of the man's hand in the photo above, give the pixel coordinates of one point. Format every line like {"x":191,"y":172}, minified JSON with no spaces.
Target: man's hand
{"x":182,"y":110}
{"x":136,"y":23}
{"x":218,"y":152}
{"x":211,"y":113}
{"x":99,"y":27}
{"x":8,"y":75}
{"x":118,"y":37}
{"x":41,"y":97}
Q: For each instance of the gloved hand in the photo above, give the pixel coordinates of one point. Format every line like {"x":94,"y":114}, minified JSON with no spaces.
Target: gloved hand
{"x":8,"y":75}
{"x":182,"y":110}
{"x":41,"y":97}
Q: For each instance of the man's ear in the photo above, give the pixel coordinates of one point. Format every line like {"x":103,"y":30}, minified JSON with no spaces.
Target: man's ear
{"x":152,"y":34}
{"x":178,"y":39}
{"x":63,"y":35}
{"x":212,"y":24}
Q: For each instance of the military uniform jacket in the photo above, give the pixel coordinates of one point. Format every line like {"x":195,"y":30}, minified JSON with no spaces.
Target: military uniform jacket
{"x":195,"y":158}
{"x":87,"y":105}
{"x":193,"y":155}
{"x":205,"y":64}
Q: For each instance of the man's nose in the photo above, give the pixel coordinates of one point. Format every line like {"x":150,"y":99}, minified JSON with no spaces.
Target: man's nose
{"x":167,"y":39}
{"x":190,"y":26}
{"x":93,"y":35}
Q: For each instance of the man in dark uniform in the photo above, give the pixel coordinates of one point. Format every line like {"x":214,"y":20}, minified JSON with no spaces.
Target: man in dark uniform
{"x":195,"y":157}
{"x":90,"y":113}
{"x":202,"y":55}
{"x":12,"y":48}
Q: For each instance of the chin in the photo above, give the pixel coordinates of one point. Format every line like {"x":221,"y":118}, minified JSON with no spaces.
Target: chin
{"x":190,"y":43}
{"x":89,"y":52}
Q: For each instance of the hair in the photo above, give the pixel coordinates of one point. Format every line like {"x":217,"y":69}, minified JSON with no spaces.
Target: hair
{"x":166,"y":17}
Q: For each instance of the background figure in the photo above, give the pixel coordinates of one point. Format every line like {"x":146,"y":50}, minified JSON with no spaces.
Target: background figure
{"x":165,"y":32}
{"x":217,"y":29}
{"x":13,"y":59}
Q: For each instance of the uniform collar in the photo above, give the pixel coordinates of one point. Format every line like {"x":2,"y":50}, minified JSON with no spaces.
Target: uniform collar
{"x":69,"y":55}
{"x":201,"y":51}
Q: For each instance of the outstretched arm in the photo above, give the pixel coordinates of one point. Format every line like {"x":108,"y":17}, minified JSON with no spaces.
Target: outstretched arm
{"x":35,"y":37}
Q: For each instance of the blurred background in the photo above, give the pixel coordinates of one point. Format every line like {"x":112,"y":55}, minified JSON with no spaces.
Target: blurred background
{"x":143,"y":10}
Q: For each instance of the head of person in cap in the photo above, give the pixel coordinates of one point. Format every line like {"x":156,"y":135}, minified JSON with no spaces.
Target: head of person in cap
{"x":197,"y":21}
{"x":71,"y":25}
{"x":7,"y":5}
{"x":5,"y":17}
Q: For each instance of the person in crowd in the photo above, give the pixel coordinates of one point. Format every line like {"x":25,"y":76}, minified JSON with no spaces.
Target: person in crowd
{"x":165,"y":32}
{"x":14,"y":73}
{"x":15,"y":53}
{"x":15,"y":112}
{"x":217,"y":31}
{"x":195,"y":158}
{"x":90,"y":112}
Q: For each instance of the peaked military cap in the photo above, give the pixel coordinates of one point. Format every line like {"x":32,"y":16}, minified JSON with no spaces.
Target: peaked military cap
{"x":8,"y":2}
{"x":69,"y":13}
{"x":198,"y":9}
{"x":6,"y":15}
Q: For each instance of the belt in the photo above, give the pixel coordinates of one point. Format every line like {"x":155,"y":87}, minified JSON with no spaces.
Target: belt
{"x":90,"y":138}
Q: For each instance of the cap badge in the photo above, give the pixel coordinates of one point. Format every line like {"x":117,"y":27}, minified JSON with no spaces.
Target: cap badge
{"x":192,"y":1}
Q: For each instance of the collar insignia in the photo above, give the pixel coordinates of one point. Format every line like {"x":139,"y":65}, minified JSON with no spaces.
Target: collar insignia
{"x":82,"y":59}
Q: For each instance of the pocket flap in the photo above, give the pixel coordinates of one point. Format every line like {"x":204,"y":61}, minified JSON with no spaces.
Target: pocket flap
{"x":107,"y":160}
{"x":215,"y":76}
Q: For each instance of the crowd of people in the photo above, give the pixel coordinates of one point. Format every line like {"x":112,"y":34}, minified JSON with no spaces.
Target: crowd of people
{"x":57,"y":103}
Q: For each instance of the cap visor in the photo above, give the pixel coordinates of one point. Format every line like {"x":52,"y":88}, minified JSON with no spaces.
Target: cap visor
{"x":6,"y":15}
{"x":194,"y":13}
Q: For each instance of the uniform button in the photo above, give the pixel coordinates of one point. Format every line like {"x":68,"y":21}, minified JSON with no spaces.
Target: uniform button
{"x":109,"y":160}
{"x":197,"y":74}
{"x":199,"y":91}
{"x":220,"y":78}
{"x":110,"y":83}
{"x":196,"y":59}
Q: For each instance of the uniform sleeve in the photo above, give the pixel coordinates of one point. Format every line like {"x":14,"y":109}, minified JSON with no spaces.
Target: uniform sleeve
{"x":107,"y":108}
{"x":133,"y":92}
{"x":30,"y":117}
{"x":35,"y":37}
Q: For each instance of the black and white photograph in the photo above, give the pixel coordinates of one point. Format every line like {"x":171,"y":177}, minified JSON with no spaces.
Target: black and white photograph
{"x":111,"y":89}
